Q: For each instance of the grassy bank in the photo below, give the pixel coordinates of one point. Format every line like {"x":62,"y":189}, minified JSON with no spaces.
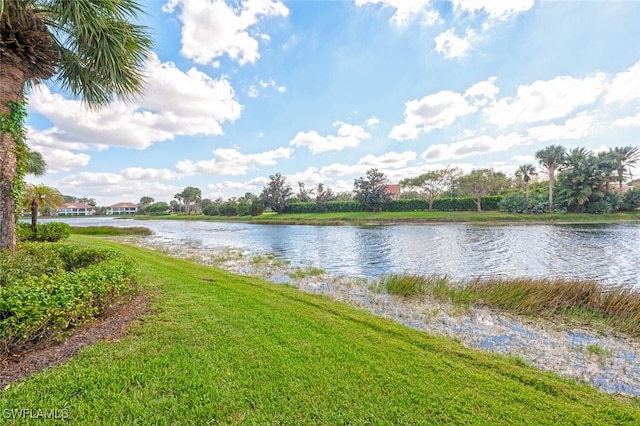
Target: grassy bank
{"x":364,"y":218}
{"x":222,"y":348}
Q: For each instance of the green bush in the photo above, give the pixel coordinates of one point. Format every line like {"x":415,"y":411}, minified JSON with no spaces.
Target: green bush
{"x":23,"y":232}
{"x":631,"y":200}
{"x":53,"y":231}
{"x":45,"y":232}
{"x":47,"y":288}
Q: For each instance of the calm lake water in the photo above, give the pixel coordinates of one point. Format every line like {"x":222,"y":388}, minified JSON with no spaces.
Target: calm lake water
{"x":607,"y":253}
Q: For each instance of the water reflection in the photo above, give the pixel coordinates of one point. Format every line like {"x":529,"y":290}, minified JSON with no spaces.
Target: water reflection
{"x":607,"y":253}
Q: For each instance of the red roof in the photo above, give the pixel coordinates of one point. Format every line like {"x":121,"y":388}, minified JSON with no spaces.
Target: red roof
{"x":119,"y":205}
{"x":393,"y":189}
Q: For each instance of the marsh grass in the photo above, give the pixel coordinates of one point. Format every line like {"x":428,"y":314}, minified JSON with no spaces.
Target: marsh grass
{"x":268,"y":260}
{"x":407,"y":285}
{"x":311,"y":271}
{"x":598,"y":351}
{"x":110,"y":230}
{"x":584,"y":301}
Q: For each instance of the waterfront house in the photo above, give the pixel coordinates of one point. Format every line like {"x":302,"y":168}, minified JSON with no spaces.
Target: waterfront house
{"x":123,"y":208}
{"x":76,"y":209}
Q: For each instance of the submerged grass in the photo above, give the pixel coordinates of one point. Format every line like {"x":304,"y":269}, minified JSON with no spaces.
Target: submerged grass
{"x":110,"y":230}
{"x":582,"y":300}
{"x":228,"y":349}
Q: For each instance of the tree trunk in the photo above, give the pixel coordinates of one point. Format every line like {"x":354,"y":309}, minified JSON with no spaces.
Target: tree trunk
{"x":34,"y":217}
{"x":12,"y":80}
{"x":479,"y":203}
{"x":431,"y":204}
{"x":551,"y":185}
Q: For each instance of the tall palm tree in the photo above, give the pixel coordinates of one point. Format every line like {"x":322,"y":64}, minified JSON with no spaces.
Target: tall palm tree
{"x":525,"y":172}
{"x":551,"y":159}
{"x":627,"y":157}
{"x":91,"y":48}
{"x":37,"y":198}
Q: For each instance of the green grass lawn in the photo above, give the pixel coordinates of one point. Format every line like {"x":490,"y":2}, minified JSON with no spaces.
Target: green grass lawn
{"x":365,"y":218}
{"x":226,"y":349}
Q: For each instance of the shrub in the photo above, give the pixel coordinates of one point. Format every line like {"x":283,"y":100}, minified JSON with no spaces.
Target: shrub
{"x":47,"y":288}
{"x":211,"y":210}
{"x":631,"y":200}
{"x":45,"y":232}
{"x":514,"y":203}
{"x":517,"y":203}
{"x":23,"y":232}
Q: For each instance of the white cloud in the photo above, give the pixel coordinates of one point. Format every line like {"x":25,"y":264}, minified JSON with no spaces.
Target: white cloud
{"x":348,"y":136}
{"x":482,"y":92}
{"x":174,"y":103}
{"x":625,"y":86}
{"x":253,"y":92}
{"x":474,"y":146}
{"x":431,"y":112}
{"x":211,"y":29}
{"x":452,"y":46}
{"x":525,"y":159}
{"x":230,"y":161}
{"x":311,"y":177}
{"x":372,"y":122}
{"x":495,"y":9}
{"x":389,"y":160}
{"x":406,"y":10}
{"x":59,"y":160}
{"x":574,"y":128}
{"x":546,"y":100}
{"x":632,"y":121}
{"x":138,"y":173}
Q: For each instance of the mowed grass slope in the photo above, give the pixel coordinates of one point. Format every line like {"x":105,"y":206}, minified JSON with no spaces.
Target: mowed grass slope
{"x":227,"y":349}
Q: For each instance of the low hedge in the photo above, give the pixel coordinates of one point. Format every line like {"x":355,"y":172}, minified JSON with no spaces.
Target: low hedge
{"x":403,"y":205}
{"x":46,"y":289}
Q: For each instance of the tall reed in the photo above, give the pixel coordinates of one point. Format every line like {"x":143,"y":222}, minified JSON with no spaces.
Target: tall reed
{"x":586,"y":300}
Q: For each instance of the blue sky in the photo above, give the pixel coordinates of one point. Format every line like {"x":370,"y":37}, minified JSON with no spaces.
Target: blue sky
{"x":322,"y":91}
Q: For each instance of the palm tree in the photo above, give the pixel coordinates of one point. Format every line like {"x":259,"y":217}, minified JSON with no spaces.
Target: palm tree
{"x":146,"y":201}
{"x":627,"y":157}
{"x":35,"y":164}
{"x":91,"y":48}
{"x":525,"y":172}
{"x":551,"y":159}
{"x":37,"y":198}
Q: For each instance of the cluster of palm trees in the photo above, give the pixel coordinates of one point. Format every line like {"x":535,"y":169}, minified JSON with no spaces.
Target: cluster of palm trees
{"x":191,"y":197}
{"x":584,"y":177}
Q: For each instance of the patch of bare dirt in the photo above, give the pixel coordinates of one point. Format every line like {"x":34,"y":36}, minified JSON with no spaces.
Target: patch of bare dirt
{"x":110,"y":326}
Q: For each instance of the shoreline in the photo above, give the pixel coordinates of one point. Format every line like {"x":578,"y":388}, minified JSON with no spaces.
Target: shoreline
{"x":605,"y":361}
{"x":488,"y":218}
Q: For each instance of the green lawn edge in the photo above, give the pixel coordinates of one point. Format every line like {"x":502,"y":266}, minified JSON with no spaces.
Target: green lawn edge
{"x":419,"y":217}
{"x":227,"y":349}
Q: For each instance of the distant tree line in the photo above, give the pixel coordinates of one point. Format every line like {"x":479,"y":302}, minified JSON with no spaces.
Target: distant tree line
{"x":577,"y":180}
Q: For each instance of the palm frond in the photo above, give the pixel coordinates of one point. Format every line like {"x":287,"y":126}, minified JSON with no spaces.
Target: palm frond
{"x":102,"y":53}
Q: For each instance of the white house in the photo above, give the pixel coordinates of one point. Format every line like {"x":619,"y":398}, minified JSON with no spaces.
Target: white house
{"x":76,"y":209}
{"x":123,"y":208}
